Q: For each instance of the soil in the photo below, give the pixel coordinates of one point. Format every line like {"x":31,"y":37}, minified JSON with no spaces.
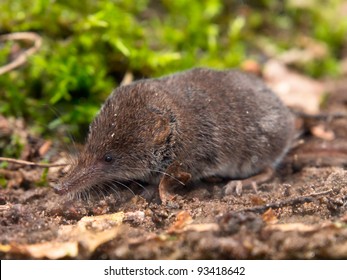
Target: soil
{"x":300,"y":214}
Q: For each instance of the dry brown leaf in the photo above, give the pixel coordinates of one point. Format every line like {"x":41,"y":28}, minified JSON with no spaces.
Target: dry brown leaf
{"x":5,"y":248}
{"x":295,"y":90}
{"x":257,"y":200}
{"x":269,"y":217}
{"x":293,"y":227}
{"x":45,"y":147}
{"x":102,"y":221}
{"x":89,"y":233}
{"x":183,"y":218}
{"x":322,"y":132}
{"x":90,"y":240}
{"x":251,"y":66}
{"x":308,"y":50}
{"x":92,"y":231}
{"x":184,"y":223}
{"x":50,"y":250}
{"x":202,"y":227}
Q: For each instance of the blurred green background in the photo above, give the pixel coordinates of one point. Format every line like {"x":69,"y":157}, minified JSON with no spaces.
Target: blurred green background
{"x":89,"y":45}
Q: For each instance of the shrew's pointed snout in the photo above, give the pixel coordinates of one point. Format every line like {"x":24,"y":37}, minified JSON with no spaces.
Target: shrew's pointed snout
{"x":60,"y":188}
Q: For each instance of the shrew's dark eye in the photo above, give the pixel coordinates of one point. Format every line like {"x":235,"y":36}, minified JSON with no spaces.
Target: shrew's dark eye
{"x":108,"y":158}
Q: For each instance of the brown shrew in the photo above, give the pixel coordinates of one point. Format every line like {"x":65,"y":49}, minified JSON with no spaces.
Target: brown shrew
{"x":183,"y":127}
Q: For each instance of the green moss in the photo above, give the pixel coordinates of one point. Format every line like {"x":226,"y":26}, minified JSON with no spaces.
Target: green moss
{"x":88,"y":46}
{"x":11,"y":147}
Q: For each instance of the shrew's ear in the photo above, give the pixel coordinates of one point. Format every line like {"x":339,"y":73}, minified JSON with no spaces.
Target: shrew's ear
{"x":161,"y":130}
{"x":162,"y":125}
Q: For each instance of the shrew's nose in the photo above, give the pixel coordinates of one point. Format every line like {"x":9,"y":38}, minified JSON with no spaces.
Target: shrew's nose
{"x":59,"y":188}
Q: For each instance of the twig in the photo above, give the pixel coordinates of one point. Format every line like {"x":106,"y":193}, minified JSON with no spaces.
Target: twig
{"x":23,"y":57}
{"x":320,"y":116}
{"x":286,"y":203}
{"x":24,"y":162}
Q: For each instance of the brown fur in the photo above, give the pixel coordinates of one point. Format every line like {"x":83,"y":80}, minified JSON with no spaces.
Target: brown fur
{"x":193,"y":124}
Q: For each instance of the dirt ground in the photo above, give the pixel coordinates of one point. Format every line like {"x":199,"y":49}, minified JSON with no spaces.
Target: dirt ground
{"x":300,"y":214}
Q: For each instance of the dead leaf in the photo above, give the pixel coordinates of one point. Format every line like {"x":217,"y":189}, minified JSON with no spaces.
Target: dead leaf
{"x":295,"y":90}
{"x":251,"y":66}
{"x":45,"y":147}
{"x":308,"y":50}
{"x":322,"y":132}
{"x":5,"y":248}
{"x":184,"y":221}
{"x":183,"y":218}
{"x":92,"y":231}
{"x":202,"y":227}
{"x":50,"y":250}
{"x":293,"y":227}
{"x":90,"y":240}
{"x":101,"y":222}
{"x":89,"y":233}
{"x":257,"y":200}
{"x":269,"y":217}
